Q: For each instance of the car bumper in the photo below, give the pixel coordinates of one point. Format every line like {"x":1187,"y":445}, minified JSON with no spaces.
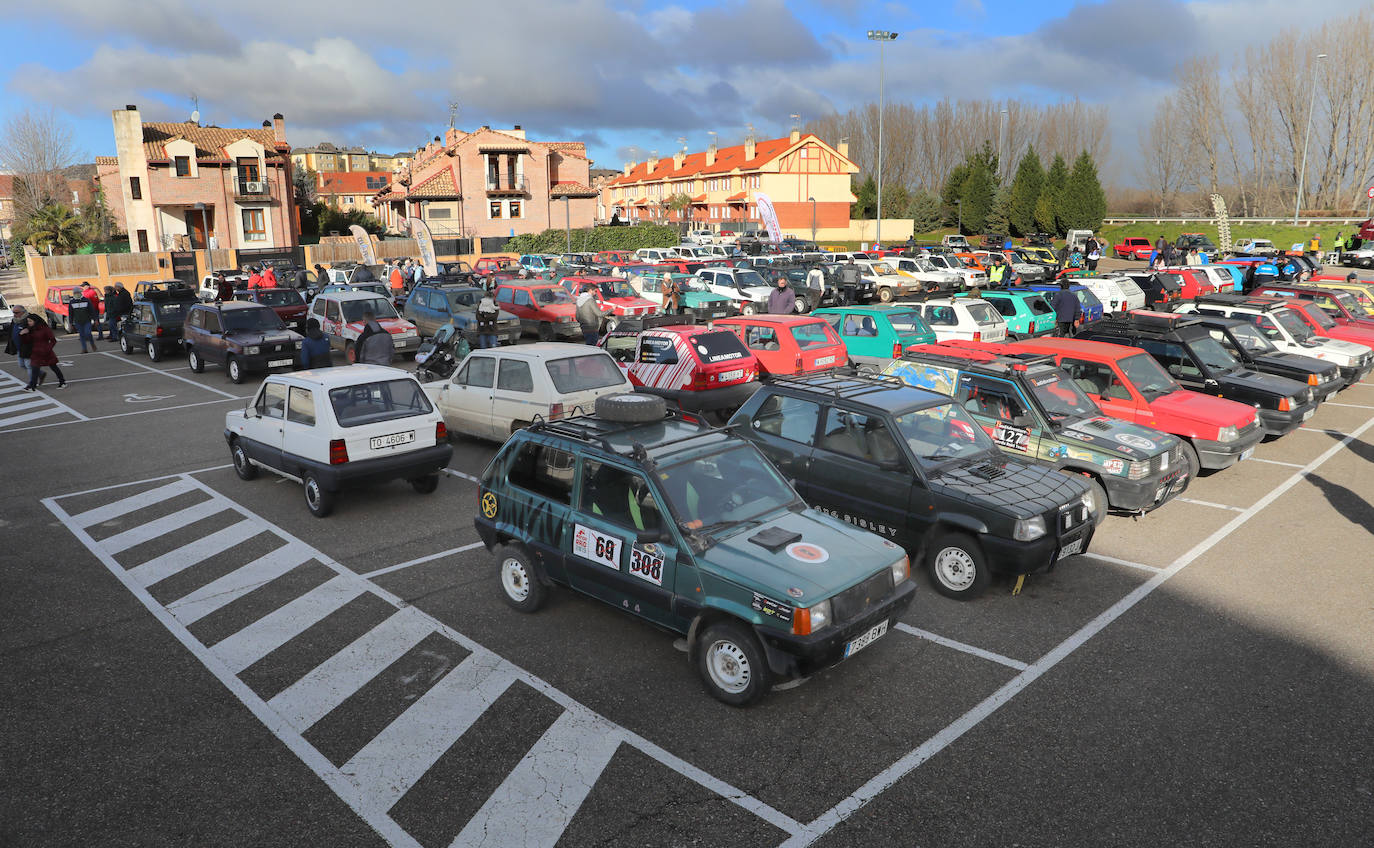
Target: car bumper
{"x":1353,"y":374}
{"x":1277,"y":423}
{"x":801,"y":655}
{"x":264,"y":361}
{"x":704,"y":314}
{"x":1008,"y":556}
{"x":504,"y":335}
{"x":562,"y":329}
{"x":1323,"y":392}
{"x":1033,"y":334}
{"x":1147,"y":494}
{"x":1225,"y":454}
{"x":401,"y":466}
{"x":727,"y":398}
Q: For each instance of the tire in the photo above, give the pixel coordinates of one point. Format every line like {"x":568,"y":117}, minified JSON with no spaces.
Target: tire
{"x":749,"y":308}
{"x":67,"y":325}
{"x":234,"y":369}
{"x":545,"y":331}
{"x":521,"y":587}
{"x":801,"y":307}
{"x":242,"y":465}
{"x":154,"y":351}
{"x":1100,"y":503}
{"x":732,"y":665}
{"x":1190,"y":459}
{"x":957,"y":567}
{"x":425,"y":485}
{"x":866,"y":370}
{"x":885,"y":294}
{"x":631,"y":407}
{"x":124,"y":344}
{"x":318,"y":499}
{"x":193,"y":359}
{"x":611,"y":323}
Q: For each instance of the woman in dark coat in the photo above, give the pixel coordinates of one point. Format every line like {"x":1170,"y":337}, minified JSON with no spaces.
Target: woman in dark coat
{"x":43,"y":355}
{"x":315,"y":349}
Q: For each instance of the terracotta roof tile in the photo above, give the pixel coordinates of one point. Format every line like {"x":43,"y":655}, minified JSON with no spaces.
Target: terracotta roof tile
{"x":440,"y":185}
{"x":107,"y":160}
{"x":736,"y":198}
{"x":576,"y":148}
{"x":727,"y":159}
{"x":209,"y":141}
{"x":572,"y":189}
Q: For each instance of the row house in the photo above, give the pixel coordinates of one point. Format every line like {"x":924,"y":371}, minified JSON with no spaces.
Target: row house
{"x":490,"y":183}
{"x":807,"y":180}
{"x":182,"y":184}
{"x":350,"y":190}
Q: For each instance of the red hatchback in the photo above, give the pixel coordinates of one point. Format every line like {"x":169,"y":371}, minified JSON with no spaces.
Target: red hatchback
{"x":542,"y":308}
{"x":616,"y":298}
{"x":1192,"y":281}
{"x":788,"y":344}
{"x":1340,"y":306}
{"x":1324,"y":325}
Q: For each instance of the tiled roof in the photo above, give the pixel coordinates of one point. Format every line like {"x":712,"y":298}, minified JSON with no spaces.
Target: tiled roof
{"x":576,"y":148}
{"x":209,"y":141}
{"x":352,"y":182}
{"x":700,"y":198}
{"x":440,"y":185}
{"x":571,"y":189}
{"x":736,"y":198}
{"x":107,"y":160}
{"x":727,"y":160}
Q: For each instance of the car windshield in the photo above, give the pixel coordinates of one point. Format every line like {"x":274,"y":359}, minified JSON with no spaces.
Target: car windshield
{"x":715,"y":492}
{"x":617,"y":288}
{"x":1319,"y":316}
{"x":280,"y":297}
{"x":1212,"y":354}
{"x":747,"y":279}
{"x":1060,"y":397}
{"x":814,"y":334}
{"x":881,"y":268}
{"x":256,"y":320}
{"x":1147,"y":376}
{"x":938,"y":434}
{"x":1296,"y":327}
{"x":370,"y":403}
{"x":1251,"y":339}
{"x":908,"y":323}
{"x":585,"y":372}
{"x":380,"y":307}
{"x":551,"y":294}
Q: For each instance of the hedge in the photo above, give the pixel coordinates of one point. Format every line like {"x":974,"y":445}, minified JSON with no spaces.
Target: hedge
{"x":596,"y":238}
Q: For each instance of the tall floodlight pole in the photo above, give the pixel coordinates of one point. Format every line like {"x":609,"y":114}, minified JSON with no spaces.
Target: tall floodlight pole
{"x":1302,"y":172}
{"x":1001,"y":149}
{"x":881,"y":36}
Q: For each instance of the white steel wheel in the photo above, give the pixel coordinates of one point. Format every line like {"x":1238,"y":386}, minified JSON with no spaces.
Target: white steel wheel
{"x":957,"y":567}
{"x":728,"y":666}
{"x":520,"y":586}
{"x":515,"y":579}
{"x":748,"y":309}
{"x":732,"y":664}
{"x":954,"y":568}
{"x":124,"y":344}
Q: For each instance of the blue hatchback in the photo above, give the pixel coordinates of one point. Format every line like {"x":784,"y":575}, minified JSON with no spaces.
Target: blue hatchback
{"x":1092,"y":307}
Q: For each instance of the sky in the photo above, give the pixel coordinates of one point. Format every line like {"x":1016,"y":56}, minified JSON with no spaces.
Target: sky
{"x":624,"y":76}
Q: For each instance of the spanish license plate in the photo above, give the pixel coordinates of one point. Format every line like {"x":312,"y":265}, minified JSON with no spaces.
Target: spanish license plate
{"x":874,"y":634}
{"x":391,"y":441}
{"x":717,"y":314}
{"x":824,"y":360}
{"x":1074,"y":547}
{"x":1308,"y":414}
{"x":1245,"y":454}
{"x":277,"y":363}
{"x":732,"y":375}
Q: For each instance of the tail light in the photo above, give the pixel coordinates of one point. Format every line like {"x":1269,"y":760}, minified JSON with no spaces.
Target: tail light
{"x":977,"y":336}
{"x":798,"y":366}
{"x":1312,"y":380}
{"x":555,"y":411}
{"x":158,"y":332}
{"x":701,"y":382}
{"x":440,"y":433}
{"x":338,"y":451}
{"x":896,"y":350}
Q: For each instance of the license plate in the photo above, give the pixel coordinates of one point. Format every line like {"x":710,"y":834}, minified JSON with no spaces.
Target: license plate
{"x":1308,"y":414}
{"x":825,"y":360}
{"x":1074,"y":547}
{"x":732,"y":375}
{"x":277,"y":363}
{"x":379,"y":442}
{"x":717,"y":314}
{"x":874,"y":634}
{"x":1245,"y":454}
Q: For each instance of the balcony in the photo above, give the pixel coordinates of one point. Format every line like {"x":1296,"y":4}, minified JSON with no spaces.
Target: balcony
{"x":252,"y":191}
{"x":507,"y":184}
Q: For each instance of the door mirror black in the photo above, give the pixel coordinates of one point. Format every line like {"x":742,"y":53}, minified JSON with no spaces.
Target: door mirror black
{"x":893,"y":464}
{"x":1022,"y":420}
{"x":1176,"y":370}
{"x":648,"y":537}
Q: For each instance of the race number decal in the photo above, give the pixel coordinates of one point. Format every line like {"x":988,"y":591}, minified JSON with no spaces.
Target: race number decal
{"x":597,"y":547}
{"x":1007,"y":436}
{"x":646,"y":565}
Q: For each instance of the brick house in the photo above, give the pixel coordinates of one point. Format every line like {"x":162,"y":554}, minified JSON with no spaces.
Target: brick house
{"x":491,"y":183}
{"x":175,"y":185}
{"x":350,"y":190}
{"x":722,"y":184}
{"x":80,"y":187}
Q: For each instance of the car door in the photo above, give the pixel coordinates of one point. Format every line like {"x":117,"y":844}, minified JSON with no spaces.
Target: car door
{"x":1106,"y":387}
{"x":1178,"y":362}
{"x":466,"y":398}
{"x":766,"y":345}
{"x":999,"y":408}
{"x":212,"y":345}
{"x":861,"y":475}
{"x":264,"y":430}
{"x":538,"y":502}
{"x":301,"y":439}
{"x":513,"y":403}
{"x":785,"y":430}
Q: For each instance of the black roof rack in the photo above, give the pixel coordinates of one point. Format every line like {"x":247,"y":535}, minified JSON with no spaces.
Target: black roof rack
{"x":591,"y":430}
{"x":1269,"y":304}
{"x":844,"y":386}
{"x":650,"y":322}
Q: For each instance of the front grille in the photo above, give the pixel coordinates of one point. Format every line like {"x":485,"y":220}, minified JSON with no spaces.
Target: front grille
{"x":1072,"y":516}
{"x":854,"y":601}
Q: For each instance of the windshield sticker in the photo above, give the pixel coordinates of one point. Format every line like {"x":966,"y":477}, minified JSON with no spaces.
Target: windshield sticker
{"x":776,"y":609}
{"x":646,"y":564}
{"x":489,"y":505}
{"x":807,"y":552}
{"x":597,"y":547}
{"x":936,"y":378}
{"x":1007,"y":436}
{"x":1135,"y":441}
{"x":1045,"y":381}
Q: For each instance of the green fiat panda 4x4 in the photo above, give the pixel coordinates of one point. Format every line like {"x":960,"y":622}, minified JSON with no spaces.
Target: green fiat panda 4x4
{"x":693,"y":530}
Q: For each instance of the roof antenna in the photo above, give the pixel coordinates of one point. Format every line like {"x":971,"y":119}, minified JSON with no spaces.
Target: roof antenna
{"x":683,"y":141}
{"x":452,"y":115}
{"x":195,"y":110}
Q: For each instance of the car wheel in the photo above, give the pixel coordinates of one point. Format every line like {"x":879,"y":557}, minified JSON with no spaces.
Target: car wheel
{"x":630,"y":407}
{"x":154,"y":350}
{"x":749,"y":309}
{"x":193,"y":359}
{"x":124,"y":344}
{"x":1098,"y":504}
{"x":957,"y":567}
{"x":611,"y":323}
{"x":801,"y":306}
{"x":425,"y":485}
{"x":867,"y":370}
{"x":545,"y":331}
{"x":885,"y":294}
{"x":1191,"y":460}
{"x":243,"y":466}
{"x":732,"y":664}
{"x":234,"y":369}
{"x":520,"y":584}
{"x":319,"y":499}
{"x":66,"y":324}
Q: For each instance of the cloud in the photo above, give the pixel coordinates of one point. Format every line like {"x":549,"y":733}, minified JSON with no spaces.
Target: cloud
{"x":970,"y":8}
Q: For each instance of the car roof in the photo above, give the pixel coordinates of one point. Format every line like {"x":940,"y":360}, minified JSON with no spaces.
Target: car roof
{"x":350,"y":295}
{"x":890,"y":394}
{"x":542,"y":350}
{"x":352,"y":375}
{"x":870,"y":308}
{"x":232,"y":305}
{"x":1081,"y":347}
{"x":784,"y":320}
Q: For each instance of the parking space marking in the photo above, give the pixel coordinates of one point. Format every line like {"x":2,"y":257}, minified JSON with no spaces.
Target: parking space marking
{"x":29,"y":406}
{"x":1322,"y":430}
{"x":1196,"y":502}
{"x":1140,"y":565}
{"x":125,"y":374}
{"x":1349,"y":405}
{"x":543,"y":791}
{"x":167,"y":374}
{"x":1276,"y":462}
{"x":424,"y":559}
{"x":450,"y":472}
{"x":960,"y":646}
{"x":124,"y":414}
{"x":874,"y":787}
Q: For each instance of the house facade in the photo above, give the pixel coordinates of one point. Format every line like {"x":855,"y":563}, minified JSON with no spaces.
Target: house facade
{"x":490,"y":183}
{"x":350,"y":190}
{"x":183,"y":185}
{"x":722,"y":184}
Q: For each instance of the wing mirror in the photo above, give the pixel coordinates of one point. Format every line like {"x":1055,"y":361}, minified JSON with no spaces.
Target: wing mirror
{"x":1022,"y":420}
{"x":648,"y":537}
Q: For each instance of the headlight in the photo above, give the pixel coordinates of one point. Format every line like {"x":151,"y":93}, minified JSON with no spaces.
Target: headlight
{"x":806,"y":621}
{"x":253,"y":350}
{"x":1228,"y":434}
{"x":299,"y":345}
{"x":1138,"y":469}
{"x":901,"y":570}
{"x":1029,"y":529}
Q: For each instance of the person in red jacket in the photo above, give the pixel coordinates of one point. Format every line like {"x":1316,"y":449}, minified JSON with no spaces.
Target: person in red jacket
{"x":269,"y":277}
{"x":43,"y":355}
{"x":397,"y":280}
{"x":254,"y":278}
{"x":91,"y":294}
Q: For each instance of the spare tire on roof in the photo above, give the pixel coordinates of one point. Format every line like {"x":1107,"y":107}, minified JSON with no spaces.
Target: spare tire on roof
{"x":631,"y":407}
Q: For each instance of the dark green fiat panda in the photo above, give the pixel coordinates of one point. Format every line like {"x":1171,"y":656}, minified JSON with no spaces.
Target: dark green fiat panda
{"x":694,"y":530}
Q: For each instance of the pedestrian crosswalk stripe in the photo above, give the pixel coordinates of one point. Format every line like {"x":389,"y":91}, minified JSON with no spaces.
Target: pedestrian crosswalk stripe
{"x":124,"y":506}
{"x":239,"y":582}
{"x":30,"y":416}
{"x":174,"y":562}
{"x":13,"y":398}
{"x":273,"y":630}
{"x":151,"y":530}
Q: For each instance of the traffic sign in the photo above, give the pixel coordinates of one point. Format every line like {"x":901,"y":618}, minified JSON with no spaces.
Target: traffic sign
{"x":1370,"y":193}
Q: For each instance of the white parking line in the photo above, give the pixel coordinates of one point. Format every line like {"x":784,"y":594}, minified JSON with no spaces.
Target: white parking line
{"x":960,"y":646}
{"x":14,"y":397}
{"x":1140,"y":565}
{"x":874,"y":787}
{"x":1276,"y":462}
{"x":125,"y":374}
{"x":450,"y":472}
{"x":423,"y":559}
{"x":1323,"y":430}
{"x":1196,"y":502}
{"x":125,"y":414}
{"x":166,"y":374}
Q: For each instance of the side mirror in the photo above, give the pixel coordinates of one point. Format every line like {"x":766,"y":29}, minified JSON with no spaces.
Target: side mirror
{"x":1175,"y":370}
{"x":894,"y":464}
{"x":648,"y":537}
{"x":1022,"y":420}
{"x":250,"y":411}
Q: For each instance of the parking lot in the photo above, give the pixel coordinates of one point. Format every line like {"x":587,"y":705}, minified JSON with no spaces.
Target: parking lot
{"x":194,"y":659}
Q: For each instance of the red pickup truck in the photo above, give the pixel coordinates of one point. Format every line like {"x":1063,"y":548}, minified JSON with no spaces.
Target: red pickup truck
{"x":1133,"y":247}
{"x":616,"y":298}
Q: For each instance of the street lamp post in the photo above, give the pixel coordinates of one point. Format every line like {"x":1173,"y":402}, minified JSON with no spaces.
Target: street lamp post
{"x":205,"y":226}
{"x":1302,"y":173}
{"x":1002,"y":163}
{"x":813,"y":217}
{"x":959,"y":204}
{"x":881,"y":36}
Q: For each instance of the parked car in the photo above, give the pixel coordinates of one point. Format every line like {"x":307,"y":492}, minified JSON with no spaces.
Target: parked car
{"x":888,"y":284}
{"x":1257,"y":247}
{"x":289,"y":304}
{"x":1360,"y":257}
{"x":745,"y":287}
{"x":1361,"y":290}
{"x":1340,"y":306}
{"x":615,"y":297}
{"x":1027,"y":313}
{"x":1134,"y":247}
{"x":652,"y":254}
{"x":955,"y":242}
{"x":1192,"y":281}
{"x":877,"y":333}
{"x":696,"y":369}
{"x":536,"y":263}
{"x":967,"y":318}
{"x":334,"y":428}
{"x":340,"y":314}
{"x":543,"y":308}
{"x":1226,"y":278}
{"x":493,"y":264}
{"x":353,"y":273}
{"x":432,"y":305}
{"x":157,"y":321}
{"x":1195,"y":241}
{"x":1093,"y":309}
{"x":1117,"y":293}
{"x":243,"y":337}
{"x":694,"y":298}
{"x":55,"y":307}
{"x":1325,"y":326}
{"x":6,"y":315}
{"x":924,"y":271}
{"x":912,"y":466}
{"x":1248,"y":345}
{"x":950,"y":262}
{"x":1029,"y":272}
{"x":788,"y":344}
{"x":209,"y":284}
{"x":1159,"y":291}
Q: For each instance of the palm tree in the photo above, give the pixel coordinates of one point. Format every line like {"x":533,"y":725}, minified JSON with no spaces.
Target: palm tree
{"x":680,"y":203}
{"x":55,"y":226}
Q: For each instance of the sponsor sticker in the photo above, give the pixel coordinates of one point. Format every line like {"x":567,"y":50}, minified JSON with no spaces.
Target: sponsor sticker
{"x":596,"y":546}
{"x":489,"y":505}
{"x":776,"y":609}
{"x":1135,"y":441}
{"x":1007,"y":436}
{"x":807,"y":552}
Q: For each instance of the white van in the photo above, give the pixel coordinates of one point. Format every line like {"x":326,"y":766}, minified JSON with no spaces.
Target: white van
{"x":1118,"y":294}
{"x":963,"y":319}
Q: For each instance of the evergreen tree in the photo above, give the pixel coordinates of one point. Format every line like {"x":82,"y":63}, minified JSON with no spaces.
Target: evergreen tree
{"x":1082,"y":204}
{"x":978,"y":194}
{"x":951,"y":193}
{"x":997,"y":216}
{"x":925,"y":212}
{"x":1048,"y":207}
{"x":867,"y":204}
{"x":1025,"y":192}
{"x":896,"y":201}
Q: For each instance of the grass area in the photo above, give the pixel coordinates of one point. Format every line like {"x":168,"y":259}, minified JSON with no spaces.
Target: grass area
{"x":1282,"y":235}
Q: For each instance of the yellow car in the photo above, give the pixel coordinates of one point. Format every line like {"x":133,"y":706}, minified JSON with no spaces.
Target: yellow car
{"x":1362,"y":291}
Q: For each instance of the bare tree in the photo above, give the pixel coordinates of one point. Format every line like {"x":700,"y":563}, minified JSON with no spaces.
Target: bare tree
{"x":36,"y":146}
{"x":1164,"y":166}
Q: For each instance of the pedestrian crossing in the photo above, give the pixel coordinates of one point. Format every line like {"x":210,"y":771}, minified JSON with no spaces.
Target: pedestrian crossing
{"x":174,"y":535}
{"x":18,"y":406}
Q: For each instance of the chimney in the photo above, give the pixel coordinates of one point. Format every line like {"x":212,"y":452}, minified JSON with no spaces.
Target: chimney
{"x":652,"y":162}
{"x":678,"y":159}
{"x":794,"y":136}
{"x":279,"y":128}
{"x":450,"y":137}
{"x":517,"y":126}
{"x":711,"y":153}
{"x":749,"y":148}
{"x":843,"y":149}
{"x":129,"y":107}
{"x":628,"y":167}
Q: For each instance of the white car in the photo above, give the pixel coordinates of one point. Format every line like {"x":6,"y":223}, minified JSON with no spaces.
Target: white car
{"x":963,"y":318}
{"x":949,"y":262}
{"x":340,"y":314}
{"x":209,"y":286}
{"x":1291,"y":334}
{"x":718,"y":251}
{"x":701,"y":237}
{"x":886,"y":281}
{"x":1118,"y":294}
{"x":497,"y":391}
{"x":922,"y":270}
{"x":744,"y":286}
{"x":686,"y":251}
{"x":1257,"y":247}
{"x":334,"y":427}
{"x":1362,"y":258}
{"x":652,"y":254}
{"x":1221,"y":278}
{"x":6,"y":315}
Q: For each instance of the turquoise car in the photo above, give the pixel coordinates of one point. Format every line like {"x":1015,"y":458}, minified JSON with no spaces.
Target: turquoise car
{"x":876,"y":334}
{"x":704,"y":305}
{"x":1027,"y":314}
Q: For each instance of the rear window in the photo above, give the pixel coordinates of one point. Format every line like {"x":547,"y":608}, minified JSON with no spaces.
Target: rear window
{"x":816,"y":334}
{"x":168,"y":312}
{"x":908,"y":323}
{"x":280,"y":297}
{"x":583,"y":373}
{"x":379,"y":307}
{"x":385,"y":400}
{"x":1040,"y":306}
{"x":984,"y":314}
{"x":720,"y":346}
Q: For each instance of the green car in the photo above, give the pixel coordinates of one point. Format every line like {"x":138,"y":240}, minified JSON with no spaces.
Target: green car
{"x":1027,"y":314}
{"x":693,"y":530}
{"x":694,"y":298}
{"x":876,"y":334}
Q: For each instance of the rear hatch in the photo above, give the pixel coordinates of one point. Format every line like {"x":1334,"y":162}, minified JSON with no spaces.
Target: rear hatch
{"x":722,"y":359}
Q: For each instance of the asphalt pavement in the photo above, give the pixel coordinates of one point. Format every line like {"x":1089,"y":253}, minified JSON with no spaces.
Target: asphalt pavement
{"x":192,"y":659}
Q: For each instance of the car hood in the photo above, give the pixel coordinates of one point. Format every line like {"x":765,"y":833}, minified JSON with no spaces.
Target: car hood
{"x":1112,"y":435}
{"x":1293,"y":363}
{"x":254,"y":337}
{"x":1205,"y":409}
{"x":394,"y":326}
{"x":1255,"y":382}
{"x":1014,"y":488}
{"x":830,"y":556}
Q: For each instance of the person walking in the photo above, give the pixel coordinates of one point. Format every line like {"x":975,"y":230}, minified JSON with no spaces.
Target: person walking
{"x":315,"y":351}
{"x":782,"y":300}
{"x":1094,"y":251}
{"x":589,"y":317}
{"x":79,"y":312}
{"x":487,"y":315}
{"x":672,"y":295}
{"x":374,"y":345}
{"x":1161,"y":252}
{"x":396,"y":279}
{"x":42,"y":354}
{"x":254,"y":278}
{"x":226,"y":288}
{"x":1067,"y":310}
{"x":17,"y":343}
